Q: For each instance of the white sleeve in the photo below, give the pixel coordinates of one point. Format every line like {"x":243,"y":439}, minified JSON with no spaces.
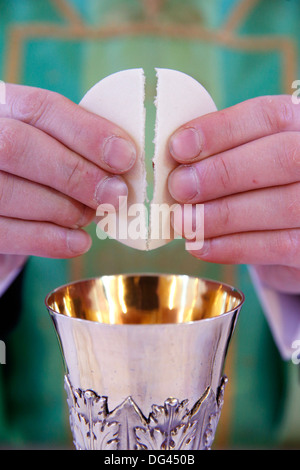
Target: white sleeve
{"x":5,"y":283}
{"x":10,"y":267}
{"x":282,"y":312}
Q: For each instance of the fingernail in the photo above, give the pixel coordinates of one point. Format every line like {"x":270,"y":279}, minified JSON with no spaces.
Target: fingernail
{"x":186,"y":144}
{"x":86,"y":217}
{"x":183,"y":183}
{"x":118,"y":153}
{"x":78,"y":241}
{"x":110,"y":189}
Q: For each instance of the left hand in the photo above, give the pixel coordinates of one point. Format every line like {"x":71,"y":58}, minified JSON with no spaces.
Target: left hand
{"x":243,"y":163}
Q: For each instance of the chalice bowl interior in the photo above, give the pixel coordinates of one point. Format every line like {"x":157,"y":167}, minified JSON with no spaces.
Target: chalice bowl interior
{"x":144,"y":357}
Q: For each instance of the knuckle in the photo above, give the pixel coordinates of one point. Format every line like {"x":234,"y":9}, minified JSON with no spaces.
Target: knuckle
{"x":292,"y":208}
{"x":8,"y":139}
{"x":6,"y":190}
{"x":288,"y":246}
{"x":288,"y":152}
{"x":238,"y":250}
{"x":74,"y":172}
{"x":223,"y":172}
{"x":277,"y":113}
{"x":31,"y":106}
{"x":229,"y":126}
{"x":224,"y":213}
{"x":293,"y":148}
{"x":50,"y":241}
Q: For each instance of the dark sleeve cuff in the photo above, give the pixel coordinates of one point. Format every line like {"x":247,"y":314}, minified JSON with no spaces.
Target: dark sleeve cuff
{"x":10,"y":306}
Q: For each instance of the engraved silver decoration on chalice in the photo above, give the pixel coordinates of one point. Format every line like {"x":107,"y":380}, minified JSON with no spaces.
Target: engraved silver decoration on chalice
{"x":168,"y":427}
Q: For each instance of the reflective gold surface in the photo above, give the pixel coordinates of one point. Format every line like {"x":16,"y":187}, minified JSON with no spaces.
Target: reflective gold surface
{"x":144,"y":299}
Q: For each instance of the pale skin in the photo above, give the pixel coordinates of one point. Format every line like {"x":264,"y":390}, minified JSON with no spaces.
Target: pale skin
{"x":58,"y":162}
{"x":243,"y":163}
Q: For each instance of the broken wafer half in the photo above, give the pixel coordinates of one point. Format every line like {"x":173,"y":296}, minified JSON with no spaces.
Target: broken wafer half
{"x":120,"y":98}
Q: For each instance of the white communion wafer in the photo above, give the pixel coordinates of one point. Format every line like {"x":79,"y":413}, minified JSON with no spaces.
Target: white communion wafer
{"x":180,"y":99}
{"x":120,"y":99}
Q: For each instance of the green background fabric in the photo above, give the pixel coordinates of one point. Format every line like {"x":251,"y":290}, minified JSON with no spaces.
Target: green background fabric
{"x":265,"y":404}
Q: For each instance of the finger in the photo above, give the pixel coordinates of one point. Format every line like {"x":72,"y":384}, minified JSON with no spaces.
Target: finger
{"x":95,"y":138}
{"x":19,"y":237}
{"x":23,"y":199}
{"x":264,"y":209}
{"x":267,"y":248}
{"x":270,"y":161}
{"x":222,"y":130}
{"x":31,"y":154}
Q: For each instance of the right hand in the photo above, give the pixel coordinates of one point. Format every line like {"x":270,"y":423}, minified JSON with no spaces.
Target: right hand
{"x":58,"y":162}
